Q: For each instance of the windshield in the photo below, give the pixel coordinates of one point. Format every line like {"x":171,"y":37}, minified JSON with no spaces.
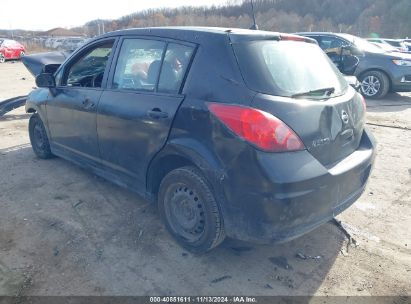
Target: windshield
{"x":395,"y":43}
{"x":363,"y":44}
{"x":288,"y":68}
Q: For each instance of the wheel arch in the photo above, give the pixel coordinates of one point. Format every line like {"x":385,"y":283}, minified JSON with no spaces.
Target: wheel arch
{"x":377,"y":70}
{"x":33,"y":107}
{"x":180,"y":153}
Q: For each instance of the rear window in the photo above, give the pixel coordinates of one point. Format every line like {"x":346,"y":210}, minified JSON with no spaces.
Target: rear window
{"x":286,"y":68}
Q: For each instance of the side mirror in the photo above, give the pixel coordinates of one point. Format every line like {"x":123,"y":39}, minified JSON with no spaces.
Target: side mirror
{"x":45,"y":80}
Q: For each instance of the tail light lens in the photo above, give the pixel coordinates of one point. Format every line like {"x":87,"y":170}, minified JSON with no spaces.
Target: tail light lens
{"x":259,"y":128}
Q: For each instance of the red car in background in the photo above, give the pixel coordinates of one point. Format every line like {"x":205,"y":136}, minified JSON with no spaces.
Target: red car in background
{"x":10,"y":49}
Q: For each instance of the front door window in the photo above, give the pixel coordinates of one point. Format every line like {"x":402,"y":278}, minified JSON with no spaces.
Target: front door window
{"x":88,"y":70}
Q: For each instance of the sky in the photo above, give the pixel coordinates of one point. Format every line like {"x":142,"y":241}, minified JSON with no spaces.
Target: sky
{"x":48,"y":14}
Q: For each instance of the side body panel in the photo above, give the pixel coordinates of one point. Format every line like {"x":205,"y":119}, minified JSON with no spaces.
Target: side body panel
{"x":71,"y":116}
{"x":129,"y":133}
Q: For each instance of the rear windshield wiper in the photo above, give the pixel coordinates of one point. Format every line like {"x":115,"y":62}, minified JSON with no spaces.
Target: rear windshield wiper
{"x":324,"y":92}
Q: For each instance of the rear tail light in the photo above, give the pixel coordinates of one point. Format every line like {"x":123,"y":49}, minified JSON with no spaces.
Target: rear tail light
{"x":259,"y":128}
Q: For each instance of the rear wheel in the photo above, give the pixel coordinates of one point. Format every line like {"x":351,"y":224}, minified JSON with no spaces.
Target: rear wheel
{"x":2,"y":59}
{"x":38,"y":137}
{"x":190,"y":211}
{"x":374,"y":84}
{"x":22,"y":54}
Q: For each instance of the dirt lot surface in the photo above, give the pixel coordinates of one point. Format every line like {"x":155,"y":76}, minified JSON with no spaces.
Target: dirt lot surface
{"x":64,"y":231}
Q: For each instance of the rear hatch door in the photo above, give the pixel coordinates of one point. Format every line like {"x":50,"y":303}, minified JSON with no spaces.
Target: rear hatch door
{"x":330,"y":129}
{"x":297,"y":83}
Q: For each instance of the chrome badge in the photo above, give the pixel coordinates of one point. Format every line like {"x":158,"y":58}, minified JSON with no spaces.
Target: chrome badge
{"x":344,"y":117}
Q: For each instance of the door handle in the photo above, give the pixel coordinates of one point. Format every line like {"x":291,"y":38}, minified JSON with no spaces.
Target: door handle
{"x":157,"y":113}
{"x":87,"y":104}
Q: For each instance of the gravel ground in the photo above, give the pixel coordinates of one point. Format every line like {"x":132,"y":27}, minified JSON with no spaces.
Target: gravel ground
{"x":64,"y":231}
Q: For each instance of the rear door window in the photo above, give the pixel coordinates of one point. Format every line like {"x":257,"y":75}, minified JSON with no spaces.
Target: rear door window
{"x":138,"y":65}
{"x":151,"y":65}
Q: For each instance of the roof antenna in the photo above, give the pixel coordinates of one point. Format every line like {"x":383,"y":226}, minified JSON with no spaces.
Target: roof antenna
{"x":254,"y":26}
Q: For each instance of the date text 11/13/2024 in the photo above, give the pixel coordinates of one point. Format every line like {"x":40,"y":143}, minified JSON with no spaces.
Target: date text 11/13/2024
{"x":203,"y":299}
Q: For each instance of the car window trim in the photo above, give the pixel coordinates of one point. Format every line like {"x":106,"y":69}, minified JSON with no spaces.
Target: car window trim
{"x":163,"y":55}
{"x":188,"y":69}
{"x":81,"y":52}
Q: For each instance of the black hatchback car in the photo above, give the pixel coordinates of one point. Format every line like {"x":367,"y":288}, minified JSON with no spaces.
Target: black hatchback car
{"x":379,"y":71}
{"x":248,"y":134}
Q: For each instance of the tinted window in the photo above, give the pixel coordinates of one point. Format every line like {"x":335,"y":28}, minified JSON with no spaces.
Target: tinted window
{"x":174,"y":67}
{"x":331,"y":44}
{"x":88,"y":71}
{"x":138,"y":64}
{"x":395,"y":43}
{"x":286,"y":68}
{"x":362,"y":44}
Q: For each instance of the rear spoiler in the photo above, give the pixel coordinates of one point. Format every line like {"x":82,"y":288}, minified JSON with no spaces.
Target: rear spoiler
{"x":297,"y":38}
{"x":239,"y":36}
{"x":44,"y":62}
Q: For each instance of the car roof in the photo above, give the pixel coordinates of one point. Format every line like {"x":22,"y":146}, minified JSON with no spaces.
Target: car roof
{"x":344,"y":36}
{"x":192,"y":33}
{"x":317,"y":33}
{"x":321,"y":33}
{"x":390,"y":39}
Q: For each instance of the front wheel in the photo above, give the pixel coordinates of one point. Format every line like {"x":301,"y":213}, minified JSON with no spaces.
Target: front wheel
{"x":38,"y":137}
{"x":374,"y":84}
{"x":22,"y":54}
{"x":189,"y":209}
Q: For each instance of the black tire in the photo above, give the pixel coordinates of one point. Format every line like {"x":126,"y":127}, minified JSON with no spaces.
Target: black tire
{"x":374,"y":84}
{"x":38,"y":137}
{"x":189,"y":210}
{"x":2,"y":58}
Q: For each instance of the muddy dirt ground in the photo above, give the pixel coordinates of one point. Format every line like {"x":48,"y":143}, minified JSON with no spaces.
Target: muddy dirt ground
{"x":64,"y":231}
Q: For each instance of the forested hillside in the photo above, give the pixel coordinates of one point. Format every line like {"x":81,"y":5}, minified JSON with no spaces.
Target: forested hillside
{"x":386,"y":18}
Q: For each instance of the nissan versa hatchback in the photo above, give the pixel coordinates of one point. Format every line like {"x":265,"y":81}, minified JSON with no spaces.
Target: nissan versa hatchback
{"x":248,"y":134}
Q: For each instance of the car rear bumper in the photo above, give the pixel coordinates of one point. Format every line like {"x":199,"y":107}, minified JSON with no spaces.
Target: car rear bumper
{"x":289,"y":194}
